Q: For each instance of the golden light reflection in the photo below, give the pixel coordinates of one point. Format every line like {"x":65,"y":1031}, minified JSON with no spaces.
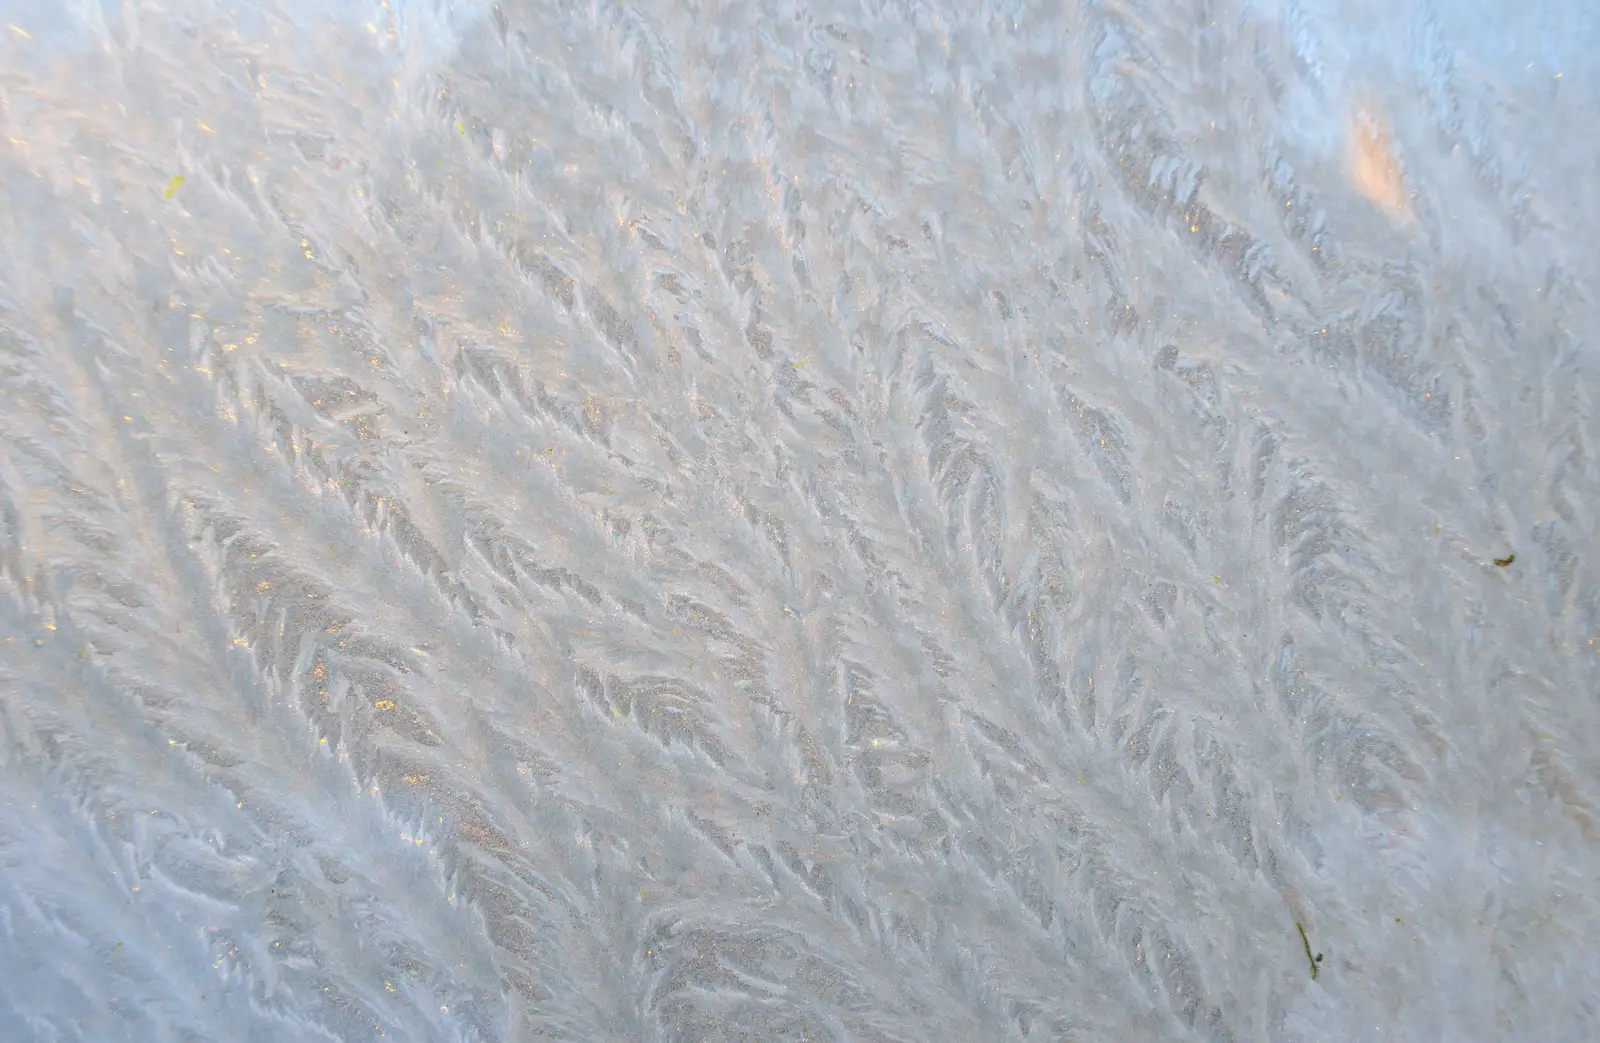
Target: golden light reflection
{"x":1374,"y":171}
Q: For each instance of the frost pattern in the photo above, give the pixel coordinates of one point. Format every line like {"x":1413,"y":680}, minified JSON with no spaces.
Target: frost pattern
{"x":785,"y":521}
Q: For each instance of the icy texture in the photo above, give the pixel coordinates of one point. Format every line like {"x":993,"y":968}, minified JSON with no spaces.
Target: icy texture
{"x":799,"y":521}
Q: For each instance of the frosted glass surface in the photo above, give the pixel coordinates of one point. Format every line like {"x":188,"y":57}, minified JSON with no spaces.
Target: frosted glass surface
{"x":799,"y":521}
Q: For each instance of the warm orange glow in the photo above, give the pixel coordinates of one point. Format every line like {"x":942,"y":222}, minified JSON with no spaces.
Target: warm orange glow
{"x":1373,"y":168}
